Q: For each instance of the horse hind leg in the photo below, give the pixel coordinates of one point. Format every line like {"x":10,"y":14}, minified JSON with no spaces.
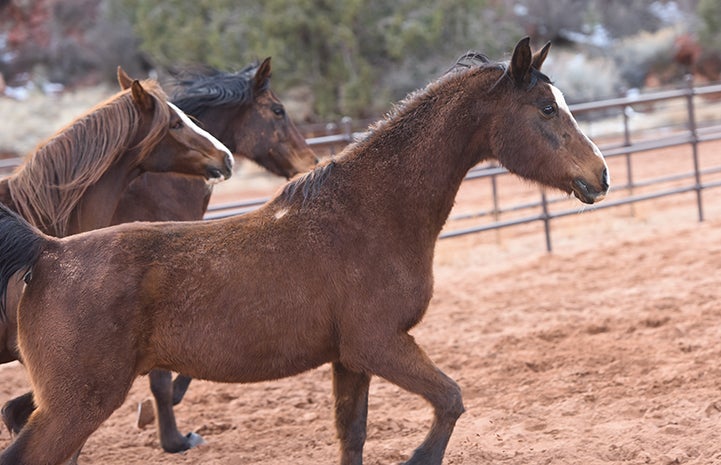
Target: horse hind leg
{"x":401,"y":361}
{"x":16,"y":412}
{"x":180,"y":387}
{"x":171,"y":439}
{"x":350,"y":391}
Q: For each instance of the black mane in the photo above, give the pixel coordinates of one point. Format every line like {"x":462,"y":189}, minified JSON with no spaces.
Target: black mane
{"x":473,"y":59}
{"x":309,"y":184}
{"x":194,"y":92}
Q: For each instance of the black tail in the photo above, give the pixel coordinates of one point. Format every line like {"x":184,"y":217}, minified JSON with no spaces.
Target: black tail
{"x":20,"y":247}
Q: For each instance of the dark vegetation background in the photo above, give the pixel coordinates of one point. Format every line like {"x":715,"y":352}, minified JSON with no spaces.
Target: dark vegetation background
{"x":355,"y":57}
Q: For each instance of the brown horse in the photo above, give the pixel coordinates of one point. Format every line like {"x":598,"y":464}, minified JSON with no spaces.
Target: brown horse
{"x":247,"y":117}
{"x":73,"y":181}
{"x":336,"y":268}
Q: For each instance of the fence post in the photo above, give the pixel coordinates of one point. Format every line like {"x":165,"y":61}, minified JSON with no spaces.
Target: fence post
{"x":546,"y":220}
{"x":496,"y":209}
{"x":347,"y":124}
{"x":694,"y":144}
{"x":330,"y":129}
{"x":627,"y":143}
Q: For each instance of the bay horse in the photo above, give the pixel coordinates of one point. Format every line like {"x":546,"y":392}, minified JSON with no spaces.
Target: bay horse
{"x":336,"y":268}
{"x":243,"y":112}
{"x":73,"y":181}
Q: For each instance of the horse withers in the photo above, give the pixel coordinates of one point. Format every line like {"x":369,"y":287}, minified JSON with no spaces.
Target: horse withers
{"x":336,"y":268}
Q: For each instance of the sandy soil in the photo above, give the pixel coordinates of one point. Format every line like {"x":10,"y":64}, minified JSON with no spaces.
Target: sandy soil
{"x":605,"y":351}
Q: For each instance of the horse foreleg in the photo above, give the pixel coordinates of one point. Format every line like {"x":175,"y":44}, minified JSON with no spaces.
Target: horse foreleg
{"x":350,"y":391}
{"x":399,"y":360}
{"x":74,"y":459}
{"x":180,"y":387}
{"x":15,"y":412}
{"x":171,"y":439}
{"x":52,"y":439}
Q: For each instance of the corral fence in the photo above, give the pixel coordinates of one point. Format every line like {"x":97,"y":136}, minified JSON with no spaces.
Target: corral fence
{"x":618,"y":138}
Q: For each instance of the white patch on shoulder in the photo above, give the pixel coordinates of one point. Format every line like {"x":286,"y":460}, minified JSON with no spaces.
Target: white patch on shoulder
{"x":280,"y":213}
{"x":189,"y":122}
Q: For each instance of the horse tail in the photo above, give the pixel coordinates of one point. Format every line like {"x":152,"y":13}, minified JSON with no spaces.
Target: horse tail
{"x":20,"y":247}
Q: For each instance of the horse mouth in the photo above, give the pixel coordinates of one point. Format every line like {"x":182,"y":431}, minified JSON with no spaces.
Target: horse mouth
{"x":585,"y":193}
{"x":216,"y":175}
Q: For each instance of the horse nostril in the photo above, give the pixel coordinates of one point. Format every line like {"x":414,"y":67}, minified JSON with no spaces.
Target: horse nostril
{"x":214,"y":173}
{"x":604,"y":180}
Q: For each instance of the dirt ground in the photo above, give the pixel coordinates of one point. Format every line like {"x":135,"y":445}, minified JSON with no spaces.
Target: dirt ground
{"x":605,"y":351}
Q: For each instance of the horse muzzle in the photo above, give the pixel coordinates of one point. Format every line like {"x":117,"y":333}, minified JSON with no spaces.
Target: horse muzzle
{"x":589,"y":194}
{"x":216,"y":174}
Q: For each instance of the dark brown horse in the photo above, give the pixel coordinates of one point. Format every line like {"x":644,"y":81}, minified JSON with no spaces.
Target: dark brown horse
{"x":243,"y":112}
{"x":73,"y":181}
{"x":336,"y":268}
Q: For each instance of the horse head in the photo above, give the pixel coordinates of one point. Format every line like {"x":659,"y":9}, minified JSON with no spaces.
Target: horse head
{"x":271,"y":138}
{"x":170,"y":140}
{"x":243,"y":112}
{"x":534,"y":135}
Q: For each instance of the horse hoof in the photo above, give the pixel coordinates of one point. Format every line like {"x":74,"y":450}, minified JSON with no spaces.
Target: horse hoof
{"x":146,"y":413}
{"x":194,"y":440}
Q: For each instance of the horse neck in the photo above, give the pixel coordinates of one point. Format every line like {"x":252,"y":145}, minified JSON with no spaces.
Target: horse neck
{"x":421,"y":164}
{"x":97,"y":206}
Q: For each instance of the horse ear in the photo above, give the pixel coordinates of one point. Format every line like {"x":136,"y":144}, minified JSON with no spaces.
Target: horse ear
{"x":260,"y":80}
{"x":124,"y":80}
{"x":521,"y":61}
{"x":142,"y":99}
{"x":540,"y":56}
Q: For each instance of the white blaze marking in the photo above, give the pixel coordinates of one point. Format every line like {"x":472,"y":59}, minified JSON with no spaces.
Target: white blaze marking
{"x":189,"y":122}
{"x":563,"y":106}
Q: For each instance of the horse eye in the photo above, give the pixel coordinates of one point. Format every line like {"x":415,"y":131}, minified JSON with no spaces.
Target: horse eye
{"x":278,"y":110}
{"x":549,"y":110}
{"x":176,"y":124}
